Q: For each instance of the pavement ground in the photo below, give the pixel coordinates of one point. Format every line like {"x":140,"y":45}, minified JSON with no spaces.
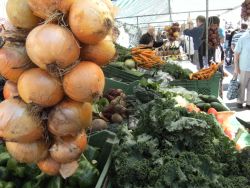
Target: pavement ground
{"x":241,"y":113}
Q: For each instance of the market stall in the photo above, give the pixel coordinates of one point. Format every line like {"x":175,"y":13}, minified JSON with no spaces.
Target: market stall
{"x":80,"y":110}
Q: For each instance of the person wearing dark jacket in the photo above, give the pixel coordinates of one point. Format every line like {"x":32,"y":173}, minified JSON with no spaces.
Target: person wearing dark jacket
{"x":148,"y":39}
{"x":196,"y":33}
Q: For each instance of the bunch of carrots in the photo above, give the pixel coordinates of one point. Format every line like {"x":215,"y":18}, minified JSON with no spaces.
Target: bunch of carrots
{"x":145,"y":58}
{"x":205,"y":74}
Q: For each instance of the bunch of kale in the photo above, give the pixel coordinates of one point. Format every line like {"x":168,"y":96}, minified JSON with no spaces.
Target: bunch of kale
{"x":174,"y":148}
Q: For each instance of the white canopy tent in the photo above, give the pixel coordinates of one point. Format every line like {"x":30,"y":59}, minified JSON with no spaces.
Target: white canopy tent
{"x":161,"y":12}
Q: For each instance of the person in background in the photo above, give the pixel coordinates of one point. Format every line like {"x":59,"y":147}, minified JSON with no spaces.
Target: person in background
{"x":196,"y":34}
{"x":242,"y":67}
{"x":228,"y":51}
{"x":158,"y":36}
{"x":236,"y":37}
{"x":230,"y":54}
{"x":147,"y":40}
{"x":163,"y":35}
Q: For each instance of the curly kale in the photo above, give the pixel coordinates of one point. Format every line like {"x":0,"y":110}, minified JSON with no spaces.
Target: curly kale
{"x":172,"y":148}
{"x":244,"y":161}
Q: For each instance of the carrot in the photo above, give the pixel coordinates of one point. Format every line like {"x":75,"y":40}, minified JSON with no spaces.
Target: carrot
{"x":136,"y":59}
{"x":143,"y":57}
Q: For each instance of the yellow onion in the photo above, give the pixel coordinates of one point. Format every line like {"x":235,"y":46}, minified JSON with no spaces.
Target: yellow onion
{"x":68,"y":169}
{"x":38,"y":87}
{"x":111,"y":7}
{"x":20,"y":15}
{"x":10,"y":90}
{"x":46,"y":8}
{"x":13,"y":62}
{"x":84,"y":82}
{"x":100,"y":53}
{"x":68,"y":149}
{"x":90,"y":21}
{"x":52,"y":44}
{"x":28,"y":152}
{"x":17,"y":123}
{"x":49,"y":166}
{"x":69,"y":118}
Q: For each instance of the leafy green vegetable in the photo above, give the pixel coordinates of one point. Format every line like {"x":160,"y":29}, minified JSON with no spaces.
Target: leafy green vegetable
{"x":86,"y":175}
{"x":123,"y":53}
{"x":99,"y":105}
{"x":174,"y":148}
{"x":176,"y":71}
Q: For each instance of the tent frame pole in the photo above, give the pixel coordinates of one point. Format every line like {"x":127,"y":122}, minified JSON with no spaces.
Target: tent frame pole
{"x":207,"y":5}
{"x":169,"y":10}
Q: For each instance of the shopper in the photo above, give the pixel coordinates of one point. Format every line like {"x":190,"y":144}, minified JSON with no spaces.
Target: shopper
{"x":236,"y":37}
{"x":148,"y":39}
{"x":230,"y":52}
{"x":242,"y":67}
{"x":196,"y":34}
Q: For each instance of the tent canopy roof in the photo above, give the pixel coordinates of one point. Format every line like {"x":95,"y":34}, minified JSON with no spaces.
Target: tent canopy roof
{"x":133,"y":11}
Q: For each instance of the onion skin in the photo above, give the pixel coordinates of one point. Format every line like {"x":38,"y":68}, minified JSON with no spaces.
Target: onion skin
{"x":10,"y":90}
{"x":68,"y":169}
{"x":68,"y":149}
{"x":111,"y":7}
{"x":13,"y":61}
{"x":17,"y":124}
{"x":69,"y":118}
{"x":52,"y":44}
{"x":65,"y":5}
{"x":45,"y":8}
{"x":20,"y":15}
{"x":84,"y":82}
{"x":49,"y":166}
{"x":90,"y":21}
{"x":38,"y":87}
{"x":28,"y":152}
{"x":100,"y":53}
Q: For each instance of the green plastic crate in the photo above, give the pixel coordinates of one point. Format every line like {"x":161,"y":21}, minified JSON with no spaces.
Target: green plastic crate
{"x":127,"y":76}
{"x":114,"y":84}
{"x":103,"y":140}
{"x":206,"y":87}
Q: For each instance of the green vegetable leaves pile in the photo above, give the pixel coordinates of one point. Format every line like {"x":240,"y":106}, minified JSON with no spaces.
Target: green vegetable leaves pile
{"x":173,"y":148}
{"x":16,"y":175}
{"x":176,"y":71}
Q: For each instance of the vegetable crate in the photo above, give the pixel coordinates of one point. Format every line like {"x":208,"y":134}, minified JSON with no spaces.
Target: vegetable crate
{"x":103,"y":140}
{"x":125,"y":75}
{"x":205,"y":87}
{"x":114,"y":84}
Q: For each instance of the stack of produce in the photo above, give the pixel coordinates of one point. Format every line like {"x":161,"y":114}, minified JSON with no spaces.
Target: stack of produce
{"x":176,"y":71}
{"x":213,"y":36}
{"x":173,"y":31}
{"x":172,"y":50}
{"x":172,"y":147}
{"x":205,"y":102}
{"x":112,"y":108}
{"x":15,"y":175}
{"x":205,"y":74}
{"x":245,"y":10}
{"x":145,"y":58}
{"x":55,"y":85}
